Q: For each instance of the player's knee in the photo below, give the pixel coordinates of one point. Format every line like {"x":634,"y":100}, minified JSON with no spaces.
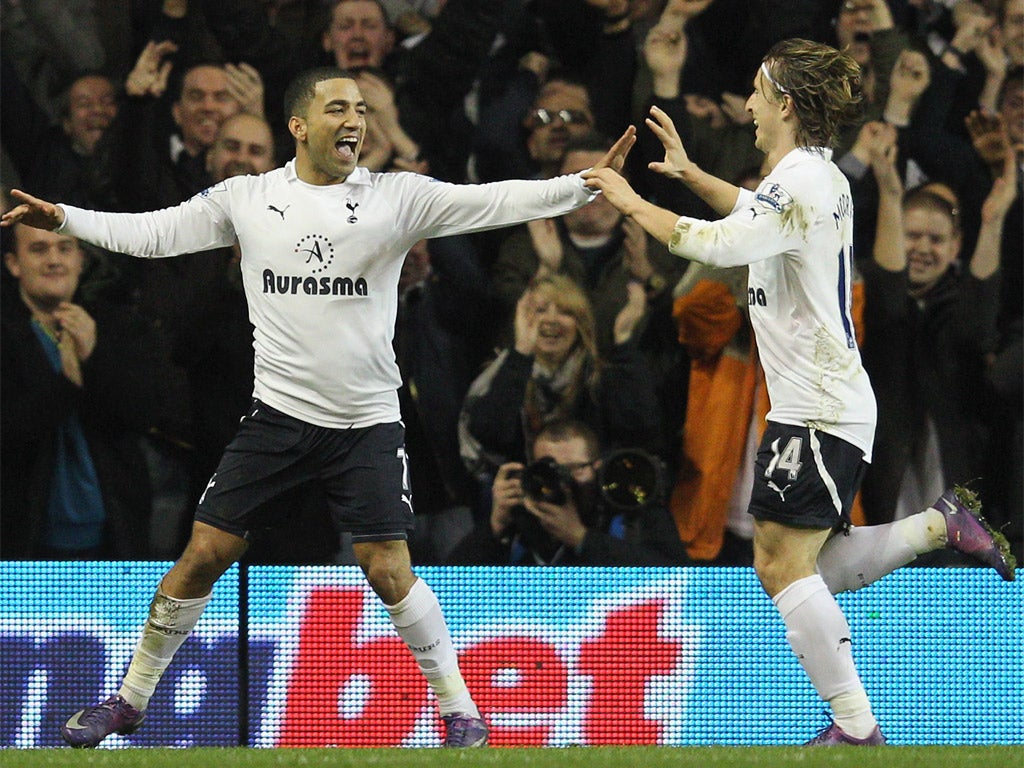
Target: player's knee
{"x":387,"y":568}
{"x":390,"y":578}
{"x":209,"y":554}
{"x":771,"y":572}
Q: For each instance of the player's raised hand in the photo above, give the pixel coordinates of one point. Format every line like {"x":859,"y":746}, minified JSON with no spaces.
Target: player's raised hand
{"x":615,"y":158}
{"x":614,"y":187}
{"x":676,"y":160}
{"x":33,"y":212}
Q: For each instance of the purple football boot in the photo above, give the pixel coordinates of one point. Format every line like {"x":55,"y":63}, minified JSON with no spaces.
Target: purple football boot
{"x":88,"y":727}
{"x":834,"y":736}
{"x":968,"y":532}
{"x":465,"y":731}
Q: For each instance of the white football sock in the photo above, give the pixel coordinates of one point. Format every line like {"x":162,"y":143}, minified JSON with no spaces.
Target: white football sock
{"x":420,"y":623}
{"x":867,"y":553}
{"x":169,"y":624}
{"x":852,"y":712}
{"x":819,"y":635}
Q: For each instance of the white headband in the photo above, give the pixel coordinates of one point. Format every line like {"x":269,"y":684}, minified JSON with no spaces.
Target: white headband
{"x":770,"y":79}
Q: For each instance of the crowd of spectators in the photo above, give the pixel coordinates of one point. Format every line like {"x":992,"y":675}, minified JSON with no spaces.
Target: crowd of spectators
{"x":577,"y":335}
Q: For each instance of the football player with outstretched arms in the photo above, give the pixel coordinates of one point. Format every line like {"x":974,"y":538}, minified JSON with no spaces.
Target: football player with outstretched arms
{"x":322,"y":243}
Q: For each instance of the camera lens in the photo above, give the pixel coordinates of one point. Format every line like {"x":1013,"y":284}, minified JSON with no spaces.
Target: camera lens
{"x":543,"y":481}
{"x":630,"y":480}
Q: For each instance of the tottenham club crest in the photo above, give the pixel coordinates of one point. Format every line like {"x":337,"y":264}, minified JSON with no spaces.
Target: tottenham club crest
{"x":351,"y":205}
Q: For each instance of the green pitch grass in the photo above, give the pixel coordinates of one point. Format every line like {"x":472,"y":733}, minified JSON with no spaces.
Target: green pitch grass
{"x":585,"y":757}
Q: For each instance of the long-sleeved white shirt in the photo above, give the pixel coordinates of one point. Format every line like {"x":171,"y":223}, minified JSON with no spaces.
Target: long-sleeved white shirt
{"x":320,"y":267}
{"x":796,"y":234}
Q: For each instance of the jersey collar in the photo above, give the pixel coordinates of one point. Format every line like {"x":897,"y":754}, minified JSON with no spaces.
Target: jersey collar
{"x":360,"y":175}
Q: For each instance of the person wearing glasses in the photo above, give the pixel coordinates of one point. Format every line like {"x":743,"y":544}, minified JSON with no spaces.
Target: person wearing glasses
{"x":560,"y":114}
{"x":527,"y":138}
{"x":795,"y":233}
{"x":551,"y":512}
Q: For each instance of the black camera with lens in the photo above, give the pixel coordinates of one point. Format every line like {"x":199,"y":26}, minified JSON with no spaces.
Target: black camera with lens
{"x":627,"y":482}
{"x":544,"y":480}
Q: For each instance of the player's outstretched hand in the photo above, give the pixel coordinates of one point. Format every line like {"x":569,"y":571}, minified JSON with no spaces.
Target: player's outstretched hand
{"x":33,"y":212}
{"x":614,"y":187}
{"x":676,"y":160}
{"x":615,"y":158}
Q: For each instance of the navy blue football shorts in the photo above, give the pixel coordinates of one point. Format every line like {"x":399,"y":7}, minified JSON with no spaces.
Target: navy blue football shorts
{"x":805,"y":478}
{"x":363,"y":472}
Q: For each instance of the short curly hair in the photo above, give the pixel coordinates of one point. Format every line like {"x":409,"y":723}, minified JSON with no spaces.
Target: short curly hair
{"x":825,"y":85}
{"x":302,"y":89}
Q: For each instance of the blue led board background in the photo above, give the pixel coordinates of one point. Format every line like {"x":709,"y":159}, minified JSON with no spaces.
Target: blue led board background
{"x":67,"y":633}
{"x":554,"y":657}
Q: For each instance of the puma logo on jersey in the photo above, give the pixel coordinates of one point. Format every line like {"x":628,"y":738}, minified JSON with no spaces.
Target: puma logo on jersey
{"x":278,"y":210}
{"x":780,"y":491}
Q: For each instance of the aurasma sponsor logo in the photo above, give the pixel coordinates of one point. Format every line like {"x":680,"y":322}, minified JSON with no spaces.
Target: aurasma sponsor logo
{"x":274,"y":283}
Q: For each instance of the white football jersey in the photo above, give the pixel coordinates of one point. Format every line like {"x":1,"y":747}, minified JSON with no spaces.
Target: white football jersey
{"x":796,"y":234}
{"x":320,"y":266}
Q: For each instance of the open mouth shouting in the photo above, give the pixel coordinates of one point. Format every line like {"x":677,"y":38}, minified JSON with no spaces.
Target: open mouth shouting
{"x":347,"y":146}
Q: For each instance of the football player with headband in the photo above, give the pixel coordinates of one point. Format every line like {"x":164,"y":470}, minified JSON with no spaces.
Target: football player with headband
{"x":795,"y":232}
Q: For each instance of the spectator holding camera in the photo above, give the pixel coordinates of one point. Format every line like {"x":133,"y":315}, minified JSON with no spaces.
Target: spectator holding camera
{"x":563,"y":509}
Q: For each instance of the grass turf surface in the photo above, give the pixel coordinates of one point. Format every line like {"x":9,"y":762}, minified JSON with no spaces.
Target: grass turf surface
{"x":587,"y":757}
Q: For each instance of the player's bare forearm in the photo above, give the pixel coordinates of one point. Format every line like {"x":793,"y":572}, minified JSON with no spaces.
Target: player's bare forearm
{"x":716,"y":192}
{"x":617,"y":191}
{"x":660,"y":223}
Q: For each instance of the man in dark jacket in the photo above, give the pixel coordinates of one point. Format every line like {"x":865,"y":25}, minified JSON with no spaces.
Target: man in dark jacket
{"x":76,"y":390}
